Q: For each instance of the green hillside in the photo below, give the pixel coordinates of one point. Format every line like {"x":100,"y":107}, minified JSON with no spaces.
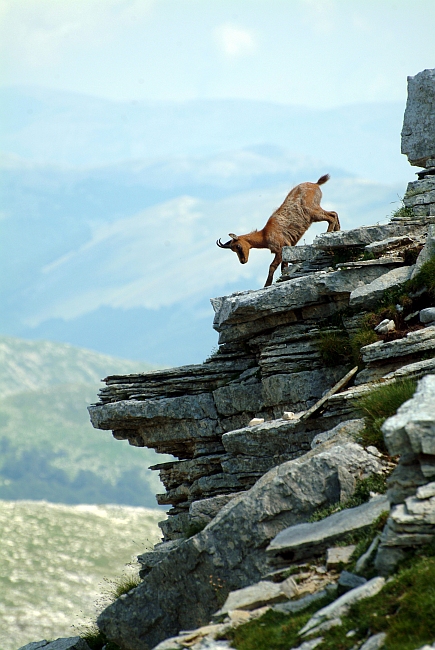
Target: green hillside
{"x":48,"y":448}
{"x":58,"y":563}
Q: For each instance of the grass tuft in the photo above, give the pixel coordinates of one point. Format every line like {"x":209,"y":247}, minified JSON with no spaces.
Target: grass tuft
{"x":97,"y":640}
{"x":425,"y":278}
{"x":123,"y":585}
{"x":403,"y":212}
{"x":334,"y":348}
{"x":363,"y":337}
{"x":380,"y":404}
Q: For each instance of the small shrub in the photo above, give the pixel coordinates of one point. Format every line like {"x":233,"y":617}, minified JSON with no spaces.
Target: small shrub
{"x":403,"y":212}
{"x":361,"y":338}
{"x":334,"y":348}
{"x":380,"y":404}
{"x":215,"y":351}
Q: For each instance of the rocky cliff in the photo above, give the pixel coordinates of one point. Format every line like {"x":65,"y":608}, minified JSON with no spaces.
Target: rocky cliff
{"x":265,"y":433}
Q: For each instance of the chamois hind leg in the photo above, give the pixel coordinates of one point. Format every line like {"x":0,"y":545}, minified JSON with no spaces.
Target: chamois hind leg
{"x":272,"y":268}
{"x":335,"y":224}
{"x":330,"y":216}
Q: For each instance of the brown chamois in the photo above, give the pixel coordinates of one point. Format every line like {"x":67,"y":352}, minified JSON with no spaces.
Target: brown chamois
{"x":286,"y":226}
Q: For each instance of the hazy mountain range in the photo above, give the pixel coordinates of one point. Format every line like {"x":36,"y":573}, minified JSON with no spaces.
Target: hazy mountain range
{"x":48,"y":448}
{"x":110,"y":211}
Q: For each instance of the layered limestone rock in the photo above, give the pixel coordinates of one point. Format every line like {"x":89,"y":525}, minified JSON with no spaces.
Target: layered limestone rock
{"x":410,"y":433}
{"x":418,"y":133}
{"x":268,"y":362}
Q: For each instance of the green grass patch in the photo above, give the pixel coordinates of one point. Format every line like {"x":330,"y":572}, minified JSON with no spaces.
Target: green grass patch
{"x":425,"y":278}
{"x":364,"y":336}
{"x":334,"y":348}
{"x":380,"y":404}
{"x":404,"y":610}
{"x":273,"y":631}
{"x":413,"y":294}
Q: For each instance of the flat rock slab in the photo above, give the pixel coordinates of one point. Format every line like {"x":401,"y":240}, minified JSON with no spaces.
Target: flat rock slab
{"x":285,"y":296}
{"x":70,"y":643}
{"x":311,"y":539}
{"x":413,"y":343}
{"x":337,"y":555}
{"x":120,"y":414}
{"x":359,"y":237}
{"x":412,"y":429}
{"x":257,"y":595}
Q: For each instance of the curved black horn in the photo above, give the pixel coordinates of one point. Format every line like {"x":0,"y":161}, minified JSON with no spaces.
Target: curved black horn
{"x":221,"y":245}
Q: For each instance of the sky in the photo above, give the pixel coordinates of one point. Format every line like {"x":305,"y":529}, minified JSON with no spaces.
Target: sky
{"x":316,"y":53}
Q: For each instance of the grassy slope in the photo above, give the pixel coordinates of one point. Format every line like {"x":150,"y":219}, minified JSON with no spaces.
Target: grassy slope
{"x":58,"y":564}
{"x":48,"y":448}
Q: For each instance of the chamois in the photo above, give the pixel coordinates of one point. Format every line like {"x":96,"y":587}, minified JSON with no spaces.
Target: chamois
{"x":286,"y":226}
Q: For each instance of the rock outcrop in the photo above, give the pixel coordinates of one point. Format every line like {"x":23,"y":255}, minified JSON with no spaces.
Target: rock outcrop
{"x":418,"y":133}
{"x":240,"y":494}
{"x":192,"y":581}
{"x":411,"y":434}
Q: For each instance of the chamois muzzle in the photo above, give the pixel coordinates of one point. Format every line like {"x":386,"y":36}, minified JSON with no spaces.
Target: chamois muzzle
{"x":221,"y":245}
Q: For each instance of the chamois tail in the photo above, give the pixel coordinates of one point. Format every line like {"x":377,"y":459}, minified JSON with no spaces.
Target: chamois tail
{"x":323,"y":179}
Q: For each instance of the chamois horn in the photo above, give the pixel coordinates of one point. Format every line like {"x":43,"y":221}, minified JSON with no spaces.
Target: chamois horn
{"x":221,"y":245}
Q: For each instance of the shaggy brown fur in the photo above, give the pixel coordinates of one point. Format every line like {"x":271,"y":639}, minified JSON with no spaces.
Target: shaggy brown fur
{"x":286,"y":226}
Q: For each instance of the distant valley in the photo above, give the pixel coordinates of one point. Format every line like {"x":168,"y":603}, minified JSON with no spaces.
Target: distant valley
{"x":110,"y":212}
{"x":48,"y":448}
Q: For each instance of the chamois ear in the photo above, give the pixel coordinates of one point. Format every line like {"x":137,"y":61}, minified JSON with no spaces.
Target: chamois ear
{"x":233,"y":236}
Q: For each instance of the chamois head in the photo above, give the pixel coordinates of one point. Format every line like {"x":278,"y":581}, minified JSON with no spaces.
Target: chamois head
{"x":239,"y":245}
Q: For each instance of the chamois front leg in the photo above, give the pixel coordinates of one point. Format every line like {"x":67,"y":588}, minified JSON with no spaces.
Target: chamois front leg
{"x":272,"y":268}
